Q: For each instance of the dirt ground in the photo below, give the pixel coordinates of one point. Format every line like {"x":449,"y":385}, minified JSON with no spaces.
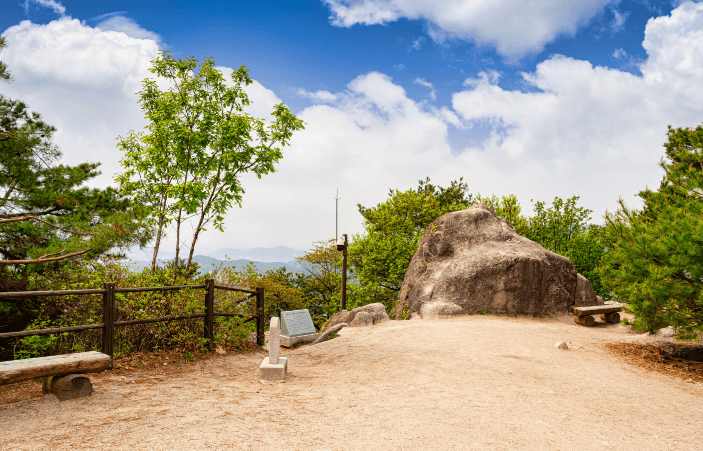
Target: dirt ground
{"x":475,"y":382}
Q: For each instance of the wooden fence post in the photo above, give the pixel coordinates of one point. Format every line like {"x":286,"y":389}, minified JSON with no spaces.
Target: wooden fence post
{"x":260,"y":321}
{"x":210,"y":314}
{"x":109,"y":319}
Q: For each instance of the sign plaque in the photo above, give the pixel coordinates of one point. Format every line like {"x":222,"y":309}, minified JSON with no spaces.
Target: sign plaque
{"x":297,"y":323}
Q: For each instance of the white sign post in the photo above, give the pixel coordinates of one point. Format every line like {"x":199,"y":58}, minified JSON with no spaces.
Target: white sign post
{"x":274,"y":367}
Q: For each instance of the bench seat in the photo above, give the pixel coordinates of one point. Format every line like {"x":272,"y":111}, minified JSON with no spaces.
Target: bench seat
{"x":596,"y":309}
{"x":57,"y":365}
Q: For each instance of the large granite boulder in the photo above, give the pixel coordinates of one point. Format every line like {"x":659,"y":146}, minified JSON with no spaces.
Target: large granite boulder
{"x":366,"y":315}
{"x":473,"y":260}
{"x":585,"y":295}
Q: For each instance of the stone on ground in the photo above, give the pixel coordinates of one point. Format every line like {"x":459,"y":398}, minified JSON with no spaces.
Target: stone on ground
{"x":327,"y":332}
{"x":376,"y":311}
{"x":561,"y":345}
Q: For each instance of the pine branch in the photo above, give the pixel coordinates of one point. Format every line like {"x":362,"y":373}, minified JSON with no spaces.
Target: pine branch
{"x":43,"y":259}
{"x":27,"y":218}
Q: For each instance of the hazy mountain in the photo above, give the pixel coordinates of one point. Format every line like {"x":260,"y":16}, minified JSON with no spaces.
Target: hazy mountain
{"x":258,"y":254}
{"x":207,"y":264}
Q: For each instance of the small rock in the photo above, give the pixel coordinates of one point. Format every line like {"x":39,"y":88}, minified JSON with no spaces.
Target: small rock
{"x":220,"y":351}
{"x":667,"y":332}
{"x":561,"y":345}
{"x":165,"y":363}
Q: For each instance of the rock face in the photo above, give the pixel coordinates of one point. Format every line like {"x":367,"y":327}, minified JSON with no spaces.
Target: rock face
{"x":366,"y":315}
{"x":585,"y":295}
{"x":472,"y":260}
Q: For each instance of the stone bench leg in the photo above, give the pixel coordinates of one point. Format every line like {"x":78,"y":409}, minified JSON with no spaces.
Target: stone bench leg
{"x":67,"y":387}
{"x":587,"y":320}
{"x":612,"y":318}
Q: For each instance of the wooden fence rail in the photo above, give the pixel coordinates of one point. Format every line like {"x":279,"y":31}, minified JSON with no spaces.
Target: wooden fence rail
{"x":108,"y":325}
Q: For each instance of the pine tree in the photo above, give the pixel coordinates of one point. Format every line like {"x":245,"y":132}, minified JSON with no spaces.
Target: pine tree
{"x":656,"y":263}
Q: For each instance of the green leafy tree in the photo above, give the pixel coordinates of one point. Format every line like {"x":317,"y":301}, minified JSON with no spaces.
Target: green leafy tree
{"x":393,"y":229}
{"x":199,"y":143}
{"x":553,"y":227}
{"x":586,"y":249}
{"x":655,"y":262}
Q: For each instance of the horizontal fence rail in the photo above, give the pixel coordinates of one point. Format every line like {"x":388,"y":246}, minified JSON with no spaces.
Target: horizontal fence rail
{"x":108,"y":325}
{"x":30,"y":294}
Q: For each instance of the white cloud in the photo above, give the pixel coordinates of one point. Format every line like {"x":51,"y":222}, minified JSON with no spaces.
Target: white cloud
{"x":417,"y":43}
{"x":427,"y":84}
{"x":619,"y":20}
{"x":127,"y":26}
{"x":57,"y":7}
{"x":619,"y":53}
{"x":592,"y":131}
{"x":82,"y":80}
{"x":513,"y":27}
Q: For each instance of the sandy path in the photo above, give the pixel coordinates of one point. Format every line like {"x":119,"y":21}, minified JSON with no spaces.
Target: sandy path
{"x":477,"y":382}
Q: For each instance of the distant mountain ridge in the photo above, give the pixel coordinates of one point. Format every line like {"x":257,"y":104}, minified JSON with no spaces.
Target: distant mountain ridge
{"x":207,"y":264}
{"x":258,"y":254}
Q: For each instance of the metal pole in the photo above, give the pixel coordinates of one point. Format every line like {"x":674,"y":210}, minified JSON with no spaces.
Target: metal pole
{"x":336,"y":215}
{"x":344,"y":274}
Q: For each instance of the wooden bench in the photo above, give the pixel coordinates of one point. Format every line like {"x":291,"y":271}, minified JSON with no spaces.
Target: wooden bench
{"x":608,"y":313}
{"x":71,"y":386}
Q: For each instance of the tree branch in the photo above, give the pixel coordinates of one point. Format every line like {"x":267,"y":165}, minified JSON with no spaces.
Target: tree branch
{"x":27,"y":218}
{"x":43,"y":260}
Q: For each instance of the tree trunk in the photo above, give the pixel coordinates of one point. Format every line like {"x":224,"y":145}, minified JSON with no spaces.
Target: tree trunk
{"x":157,"y":244}
{"x":195,"y":238}
{"x":178,"y":244}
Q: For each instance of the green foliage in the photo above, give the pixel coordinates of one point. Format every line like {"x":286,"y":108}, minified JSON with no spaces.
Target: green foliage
{"x":554,"y":227}
{"x":586,"y":249}
{"x":656,"y":258}
{"x":200,"y":142}
{"x":381,"y":255}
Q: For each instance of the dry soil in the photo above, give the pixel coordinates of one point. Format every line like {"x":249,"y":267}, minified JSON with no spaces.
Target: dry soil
{"x":475,"y":382}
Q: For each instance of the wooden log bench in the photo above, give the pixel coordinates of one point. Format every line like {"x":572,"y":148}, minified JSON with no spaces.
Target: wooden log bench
{"x":608,"y":313}
{"x":62,"y":372}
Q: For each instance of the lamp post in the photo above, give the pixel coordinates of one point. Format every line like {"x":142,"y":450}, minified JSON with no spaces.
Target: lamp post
{"x":342,"y":246}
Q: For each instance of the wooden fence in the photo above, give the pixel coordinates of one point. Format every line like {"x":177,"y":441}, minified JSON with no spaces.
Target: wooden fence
{"x":108,"y":325}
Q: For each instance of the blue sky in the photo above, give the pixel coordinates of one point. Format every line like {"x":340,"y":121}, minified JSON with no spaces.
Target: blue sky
{"x":534,"y":98}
